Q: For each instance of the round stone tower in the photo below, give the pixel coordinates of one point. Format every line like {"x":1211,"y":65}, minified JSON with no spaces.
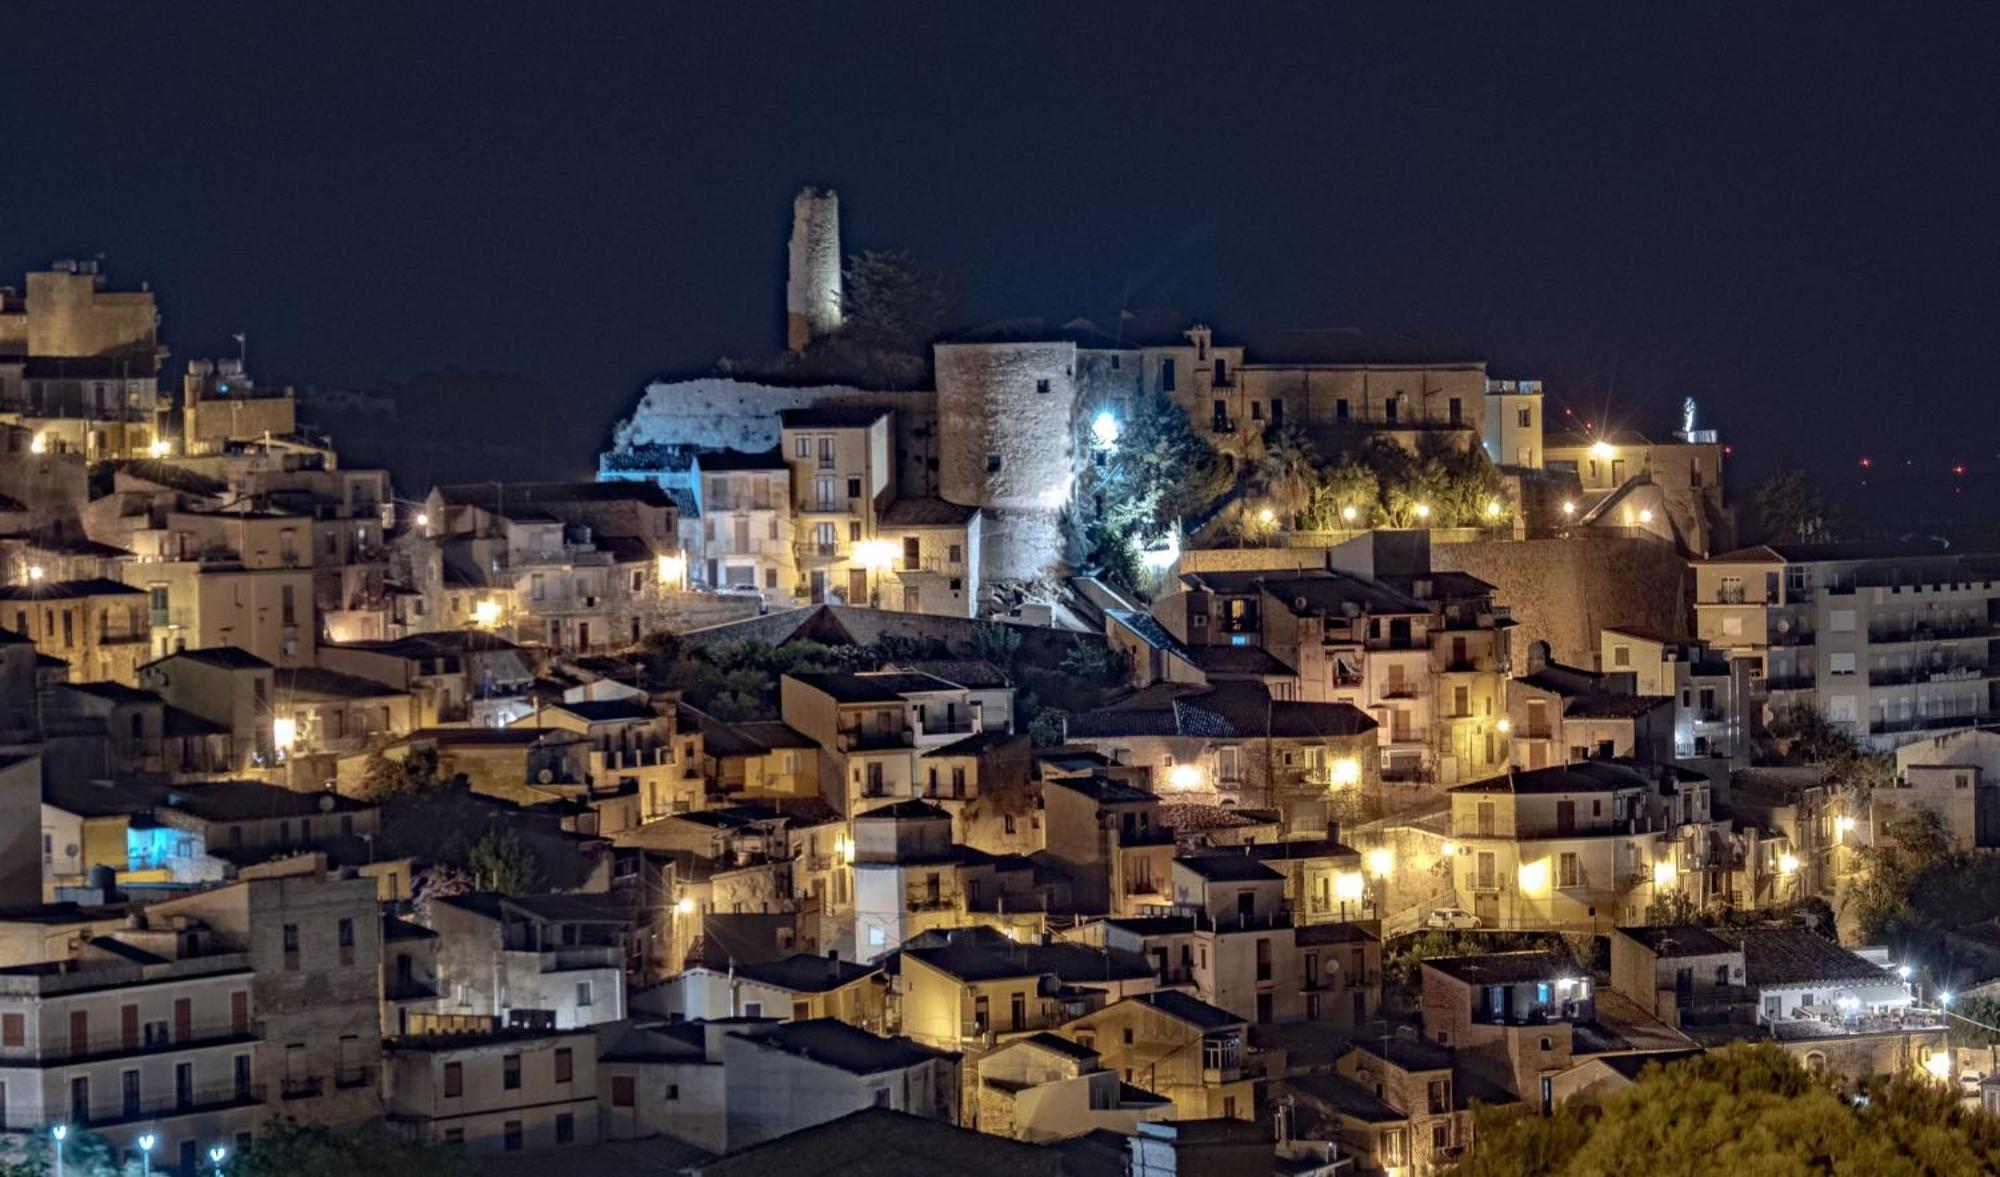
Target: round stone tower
{"x":812,"y":287}
{"x":1007,"y":440}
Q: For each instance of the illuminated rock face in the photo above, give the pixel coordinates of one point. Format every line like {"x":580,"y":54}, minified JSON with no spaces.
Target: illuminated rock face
{"x":812,"y":290}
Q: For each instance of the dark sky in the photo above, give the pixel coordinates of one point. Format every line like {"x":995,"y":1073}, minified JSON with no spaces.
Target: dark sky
{"x":1787,"y":211}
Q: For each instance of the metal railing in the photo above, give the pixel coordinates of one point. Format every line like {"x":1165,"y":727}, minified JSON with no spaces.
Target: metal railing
{"x":64,"y":1049}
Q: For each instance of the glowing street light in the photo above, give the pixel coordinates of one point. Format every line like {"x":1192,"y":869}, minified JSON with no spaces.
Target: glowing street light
{"x":284,"y":733}
{"x":1104,"y":429}
{"x":486,"y":614}
{"x":1601,"y":449}
{"x":1449,"y":849}
{"x":39,"y":444}
{"x":58,"y":1134}
{"x":1664,"y":874}
{"x":1381,"y":861}
{"x":146,"y":1144}
{"x":1267,"y":516}
{"x":1503,"y":725}
{"x":1646,"y":515}
{"x":876,"y":554}
{"x":1903,"y":971}
{"x":1569,"y":508}
{"x":1185,"y":776}
{"x":1346,"y":771}
{"x":673,"y":570}
{"x":1788,"y":864}
{"x":1492,"y":508}
{"x":216,"y":1155}
{"x":1944,"y":998}
{"x":1348,"y":513}
{"x":36,"y":572}
{"x":1423,"y":510}
{"x":684,"y":906}
{"x":161,"y":448}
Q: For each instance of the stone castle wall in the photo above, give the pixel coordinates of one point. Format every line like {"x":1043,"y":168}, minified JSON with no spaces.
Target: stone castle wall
{"x":1563,"y":591}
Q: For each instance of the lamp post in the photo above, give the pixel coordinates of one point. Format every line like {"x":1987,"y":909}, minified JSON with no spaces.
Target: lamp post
{"x":146,"y":1143}
{"x":58,"y":1134}
{"x":215,"y":1155}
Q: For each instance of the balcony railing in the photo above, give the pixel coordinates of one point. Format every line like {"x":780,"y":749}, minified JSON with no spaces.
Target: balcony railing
{"x":1931,"y":632}
{"x":302,"y":1087}
{"x":1964,"y":672}
{"x":196,"y":1101}
{"x":850,"y":741}
{"x":63,"y":1049}
{"x":1924,"y":723}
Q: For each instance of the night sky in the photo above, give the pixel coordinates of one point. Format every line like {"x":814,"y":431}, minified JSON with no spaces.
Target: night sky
{"x":1787,"y":212}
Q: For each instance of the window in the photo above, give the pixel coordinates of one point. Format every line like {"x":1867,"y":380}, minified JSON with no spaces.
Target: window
{"x":1621,"y":655}
{"x":1340,"y":409}
{"x":565,"y":1065}
{"x":673,"y":1092}
{"x":510,"y":1136}
{"x":13,"y":1030}
{"x":291,"y":935}
{"x":346,"y":941}
{"x":854,"y":488}
{"x":802,"y":447}
{"x":1042,"y":385}
{"x":624,"y":1089}
{"x":1167,"y":375}
{"x":565,"y":1128}
{"x":583,"y":993}
{"x":1842,"y":664}
{"x":454,"y":1080}
{"x":1525,"y":417}
{"x":993,"y":463}
{"x":881,"y":1097}
{"x":1840,"y":621}
{"x":510,"y":1072}
{"x":1569,"y":870}
{"x":1441,"y":1135}
{"x":753,"y":1009}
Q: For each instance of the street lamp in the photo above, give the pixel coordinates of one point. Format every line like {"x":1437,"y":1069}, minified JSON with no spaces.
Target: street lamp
{"x":146,"y":1144}
{"x":58,"y":1133}
{"x":215,"y":1155}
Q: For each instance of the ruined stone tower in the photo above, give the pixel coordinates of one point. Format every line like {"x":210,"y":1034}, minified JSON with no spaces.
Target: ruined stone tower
{"x":812,"y":287}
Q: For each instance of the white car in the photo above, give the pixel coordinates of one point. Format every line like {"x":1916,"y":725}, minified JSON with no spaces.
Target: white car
{"x":1455,"y":918}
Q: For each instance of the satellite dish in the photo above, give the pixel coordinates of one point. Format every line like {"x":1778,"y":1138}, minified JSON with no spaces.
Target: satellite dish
{"x":547,"y":776}
{"x":326,"y":803}
{"x":1784,"y":625}
{"x":70,"y":851}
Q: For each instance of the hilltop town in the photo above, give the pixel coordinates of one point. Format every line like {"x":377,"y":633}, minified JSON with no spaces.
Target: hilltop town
{"x":1074,"y":748}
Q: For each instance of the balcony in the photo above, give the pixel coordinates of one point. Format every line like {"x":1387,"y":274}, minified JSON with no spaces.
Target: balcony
{"x":302,"y":1087}
{"x":1900,"y":676}
{"x":863,"y":741}
{"x":1925,"y":723}
{"x":198,"y":1101}
{"x":934,"y":565}
{"x":118,"y":1045}
{"x":1930,"y":632}
{"x":1790,"y":682}
{"x":1222,"y":425}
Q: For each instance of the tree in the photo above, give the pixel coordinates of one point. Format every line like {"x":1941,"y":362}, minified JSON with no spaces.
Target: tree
{"x":1289,"y":470}
{"x":1742,"y":1109}
{"x":1908,"y":847}
{"x":997,"y":643}
{"x":1163,"y":471}
{"x":1046,"y":729}
{"x":387,"y":779}
{"x":501,"y":862}
{"x":1790,"y":509}
{"x":893,"y":302}
{"x":1343,"y":486}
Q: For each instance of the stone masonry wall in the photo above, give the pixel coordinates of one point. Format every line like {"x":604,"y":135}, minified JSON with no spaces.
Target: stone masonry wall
{"x":1563,"y":591}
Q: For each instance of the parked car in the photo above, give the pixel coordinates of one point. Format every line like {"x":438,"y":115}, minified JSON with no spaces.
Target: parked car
{"x":1455,"y":918}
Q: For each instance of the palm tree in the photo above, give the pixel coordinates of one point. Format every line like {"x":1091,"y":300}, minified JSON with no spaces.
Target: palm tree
{"x":1288,"y":469}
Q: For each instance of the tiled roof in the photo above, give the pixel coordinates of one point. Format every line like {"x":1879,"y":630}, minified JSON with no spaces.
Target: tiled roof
{"x":837,"y":1044}
{"x":926,"y":512}
{"x":1784,"y":956}
{"x":1229,"y":868}
{"x":1679,"y":940}
{"x":1505,"y":968}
